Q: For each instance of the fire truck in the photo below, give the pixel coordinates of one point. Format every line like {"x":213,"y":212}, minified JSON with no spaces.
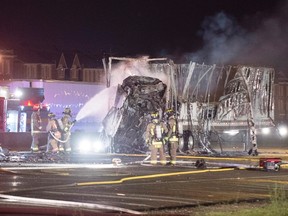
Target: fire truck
{"x":17,"y":99}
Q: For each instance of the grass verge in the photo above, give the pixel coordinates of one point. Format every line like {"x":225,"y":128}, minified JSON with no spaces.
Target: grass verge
{"x":277,"y":206}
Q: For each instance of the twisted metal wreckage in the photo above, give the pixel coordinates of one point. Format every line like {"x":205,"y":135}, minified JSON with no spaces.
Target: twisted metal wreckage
{"x":207,"y":98}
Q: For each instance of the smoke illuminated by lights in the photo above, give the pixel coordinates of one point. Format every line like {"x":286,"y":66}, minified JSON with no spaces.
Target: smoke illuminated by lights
{"x":100,"y":104}
{"x":228,"y":42}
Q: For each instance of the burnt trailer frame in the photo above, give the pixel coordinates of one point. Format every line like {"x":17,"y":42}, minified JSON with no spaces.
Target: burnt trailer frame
{"x":211,"y":99}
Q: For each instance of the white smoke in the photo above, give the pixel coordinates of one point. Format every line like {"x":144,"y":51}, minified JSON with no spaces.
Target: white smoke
{"x":222,"y":39}
{"x":100,"y":104}
{"x":134,"y":67}
{"x":227,"y":42}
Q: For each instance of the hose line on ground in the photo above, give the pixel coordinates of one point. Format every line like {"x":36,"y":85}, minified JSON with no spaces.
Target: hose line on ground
{"x":153,"y":176}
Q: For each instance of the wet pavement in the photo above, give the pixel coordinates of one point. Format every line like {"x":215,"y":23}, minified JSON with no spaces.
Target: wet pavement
{"x":129,"y":184}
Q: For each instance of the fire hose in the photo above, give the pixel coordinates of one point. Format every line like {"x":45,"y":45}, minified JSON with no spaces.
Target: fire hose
{"x":59,"y":140}
{"x":69,"y":134}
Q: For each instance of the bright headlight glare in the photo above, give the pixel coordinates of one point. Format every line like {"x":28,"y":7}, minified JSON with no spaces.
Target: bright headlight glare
{"x":85,"y":146}
{"x":97,"y":146}
{"x":18,"y":93}
{"x":283,"y":131}
{"x":3,"y":92}
{"x":90,"y":145}
{"x":232,"y":132}
{"x":265,"y":130}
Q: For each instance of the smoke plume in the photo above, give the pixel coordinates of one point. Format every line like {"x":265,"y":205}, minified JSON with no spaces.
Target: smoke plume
{"x":261,"y":43}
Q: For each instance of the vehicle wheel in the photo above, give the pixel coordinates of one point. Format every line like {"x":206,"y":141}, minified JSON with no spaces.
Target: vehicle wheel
{"x":187,"y":141}
{"x":190,"y":142}
{"x":181,"y":144}
{"x":277,"y":167}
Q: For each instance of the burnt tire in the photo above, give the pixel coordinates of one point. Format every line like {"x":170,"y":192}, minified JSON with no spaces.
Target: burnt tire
{"x":186,"y":142}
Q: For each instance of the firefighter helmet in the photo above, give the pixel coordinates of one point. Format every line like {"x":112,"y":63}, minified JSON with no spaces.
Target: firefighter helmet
{"x":67,"y":111}
{"x":51,"y":115}
{"x":169,"y":112}
{"x":154,"y":115}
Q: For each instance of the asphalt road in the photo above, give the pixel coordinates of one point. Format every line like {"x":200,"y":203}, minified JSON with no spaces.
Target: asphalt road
{"x":94,"y":183}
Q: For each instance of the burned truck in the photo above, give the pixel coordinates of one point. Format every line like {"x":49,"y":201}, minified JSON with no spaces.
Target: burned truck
{"x":226,"y":99}
{"x":208,"y":100}
{"x":127,"y":120}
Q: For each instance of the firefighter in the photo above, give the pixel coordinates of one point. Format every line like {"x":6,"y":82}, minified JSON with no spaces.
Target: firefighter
{"x":172,"y":136}
{"x":155,"y":133}
{"x":35,"y":128}
{"x":54,"y":134}
{"x":65,"y":125}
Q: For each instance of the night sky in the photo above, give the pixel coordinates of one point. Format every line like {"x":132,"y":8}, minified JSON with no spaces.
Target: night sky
{"x":210,"y":31}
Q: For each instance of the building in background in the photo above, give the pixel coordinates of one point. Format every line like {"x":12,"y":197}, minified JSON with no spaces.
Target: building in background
{"x":67,"y":82}
{"x":80,"y":68}
{"x":69,"y":67}
{"x":7,"y":60}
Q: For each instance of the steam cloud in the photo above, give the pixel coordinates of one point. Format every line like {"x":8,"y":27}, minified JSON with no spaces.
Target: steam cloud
{"x":226,"y":42}
{"x":100,"y":104}
{"x":137,"y":67}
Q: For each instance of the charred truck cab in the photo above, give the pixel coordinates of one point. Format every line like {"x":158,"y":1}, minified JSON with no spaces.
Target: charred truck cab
{"x":126,"y":121}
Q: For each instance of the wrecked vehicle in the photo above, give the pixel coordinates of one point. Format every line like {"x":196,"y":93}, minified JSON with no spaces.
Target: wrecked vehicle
{"x":208,"y":100}
{"x":127,"y":120}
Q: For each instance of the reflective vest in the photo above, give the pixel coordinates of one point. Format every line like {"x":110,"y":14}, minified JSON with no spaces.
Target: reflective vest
{"x":156,"y":132}
{"x":52,"y":128}
{"x":173,"y":134}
